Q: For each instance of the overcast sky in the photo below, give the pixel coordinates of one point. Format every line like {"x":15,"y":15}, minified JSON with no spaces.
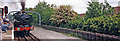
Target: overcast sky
{"x":77,"y":5}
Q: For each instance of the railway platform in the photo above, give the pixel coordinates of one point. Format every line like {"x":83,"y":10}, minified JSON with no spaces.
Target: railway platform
{"x":7,"y":36}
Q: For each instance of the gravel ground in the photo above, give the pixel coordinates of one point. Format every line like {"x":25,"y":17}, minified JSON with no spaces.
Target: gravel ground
{"x":45,"y":35}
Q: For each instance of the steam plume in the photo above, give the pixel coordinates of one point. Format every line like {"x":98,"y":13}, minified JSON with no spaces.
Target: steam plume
{"x":12,"y":4}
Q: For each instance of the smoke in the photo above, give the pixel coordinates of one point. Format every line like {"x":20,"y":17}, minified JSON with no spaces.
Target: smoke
{"x":22,"y":0}
{"x":12,"y":4}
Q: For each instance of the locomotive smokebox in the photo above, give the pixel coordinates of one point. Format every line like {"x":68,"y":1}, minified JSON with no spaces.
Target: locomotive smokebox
{"x":23,"y":7}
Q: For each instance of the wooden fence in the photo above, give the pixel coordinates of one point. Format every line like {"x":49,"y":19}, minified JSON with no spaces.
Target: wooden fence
{"x":83,"y":34}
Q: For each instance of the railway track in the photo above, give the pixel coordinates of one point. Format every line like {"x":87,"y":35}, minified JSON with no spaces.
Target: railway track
{"x":21,"y":36}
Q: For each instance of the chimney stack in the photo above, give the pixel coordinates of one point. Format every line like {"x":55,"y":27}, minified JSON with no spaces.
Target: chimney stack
{"x":23,"y":5}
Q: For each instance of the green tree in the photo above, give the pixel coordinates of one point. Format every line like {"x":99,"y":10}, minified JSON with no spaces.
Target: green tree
{"x":45,"y":10}
{"x":35,"y":16}
{"x":96,"y":9}
{"x":62,"y":15}
{"x":106,"y":24}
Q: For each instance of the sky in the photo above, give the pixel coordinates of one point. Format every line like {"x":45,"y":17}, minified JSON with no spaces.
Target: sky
{"x":80,"y":6}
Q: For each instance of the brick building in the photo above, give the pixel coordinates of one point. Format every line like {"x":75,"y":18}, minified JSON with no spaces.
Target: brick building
{"x":82,"y":15}
{"x":117,"y":7}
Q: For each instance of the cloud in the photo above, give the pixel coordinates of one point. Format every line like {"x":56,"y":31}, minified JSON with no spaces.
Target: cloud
{"x":79,"y":6}
{"x":31,"y":3}
{"x":12,"y":4}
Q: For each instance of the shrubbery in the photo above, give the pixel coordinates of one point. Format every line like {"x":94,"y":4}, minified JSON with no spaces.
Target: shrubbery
{"x":76,"y":23}
{"x":100,"y":20}
{"x":96,"y":9}
{"x":103,"y":24}
{"x":45,"y":10}
{"x":62,"y":15}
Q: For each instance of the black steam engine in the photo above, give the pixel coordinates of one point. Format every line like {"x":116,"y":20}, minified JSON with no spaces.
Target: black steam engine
{"x":22,"y":20}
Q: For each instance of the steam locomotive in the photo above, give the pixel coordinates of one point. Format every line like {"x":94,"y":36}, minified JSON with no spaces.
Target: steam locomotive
{"x":22,"y":22}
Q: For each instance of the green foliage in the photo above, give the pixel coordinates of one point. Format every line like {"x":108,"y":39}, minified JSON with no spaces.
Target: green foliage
{"x":96,"y":9}
{"x":103,"y":24}
{"x":62,"y":15}
{"x":44,"y":10}
{"x":76,"y":23}
{"x":99,"y":18}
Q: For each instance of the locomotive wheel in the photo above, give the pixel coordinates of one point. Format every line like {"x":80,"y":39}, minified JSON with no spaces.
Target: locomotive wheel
{"x":28,"y":32}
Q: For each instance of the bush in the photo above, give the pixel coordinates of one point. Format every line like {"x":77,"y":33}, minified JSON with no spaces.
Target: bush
{"x":103,"y":24}
{"x":76,"y":23}
{"x":62,"y":15}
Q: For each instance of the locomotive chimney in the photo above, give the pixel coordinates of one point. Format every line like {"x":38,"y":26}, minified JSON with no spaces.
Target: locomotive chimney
{"x":23,"y":6}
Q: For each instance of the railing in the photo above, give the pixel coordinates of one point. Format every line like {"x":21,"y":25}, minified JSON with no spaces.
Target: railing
{"x":83,"y":34}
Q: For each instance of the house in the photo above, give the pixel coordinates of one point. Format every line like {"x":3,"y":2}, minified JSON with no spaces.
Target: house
{"x":82,"y":15}
{"x":117,"y":7}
